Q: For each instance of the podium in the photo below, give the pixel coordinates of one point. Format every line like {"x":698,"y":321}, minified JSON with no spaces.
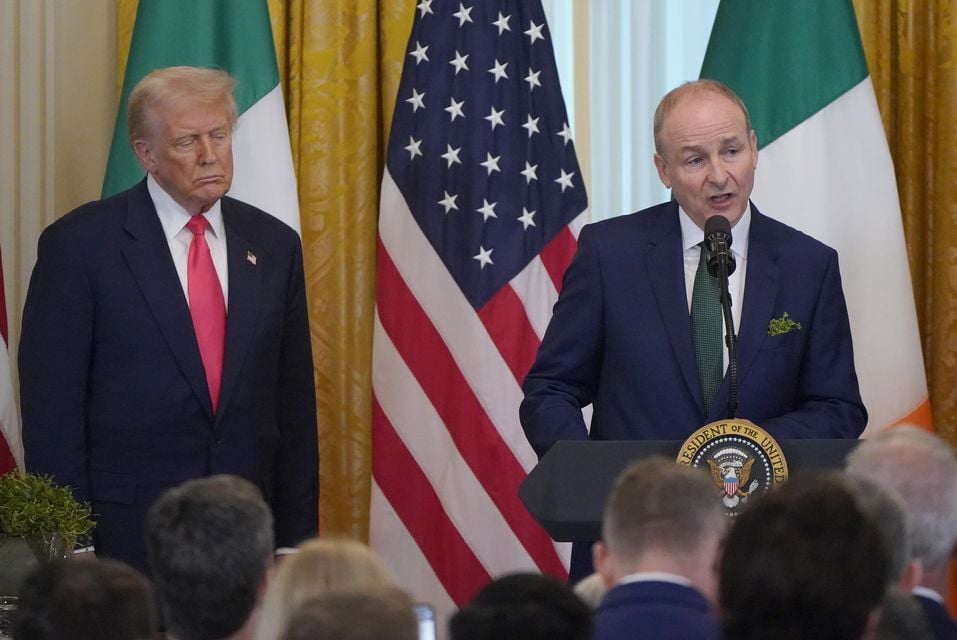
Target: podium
{"x":566,"y":490}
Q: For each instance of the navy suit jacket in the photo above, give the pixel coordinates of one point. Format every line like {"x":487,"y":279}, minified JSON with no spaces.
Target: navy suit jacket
{"x":651,"y":610}
{"x":113,"y":391}
{"x":943,"y":626}
{"x":620,"y":339}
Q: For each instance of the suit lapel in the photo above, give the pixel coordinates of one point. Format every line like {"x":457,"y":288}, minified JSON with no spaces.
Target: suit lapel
{"x":151,"y":264}
{"x":245,"y":282}
{"x":665,"y":270}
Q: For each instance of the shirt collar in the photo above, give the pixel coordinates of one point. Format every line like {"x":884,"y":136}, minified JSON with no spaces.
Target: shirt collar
{"x":174,"y":217}
{"x":656,"y":576}
{"x":928,"y":593}
{"x":691,"y":234}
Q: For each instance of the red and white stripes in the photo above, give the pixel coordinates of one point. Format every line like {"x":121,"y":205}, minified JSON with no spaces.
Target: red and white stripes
{"x":448,"y":452}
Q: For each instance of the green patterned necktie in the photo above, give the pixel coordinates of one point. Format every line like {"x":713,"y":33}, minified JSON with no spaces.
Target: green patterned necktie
{"x":706,"y":330}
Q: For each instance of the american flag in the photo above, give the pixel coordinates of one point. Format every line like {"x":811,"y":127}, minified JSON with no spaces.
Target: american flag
{"x":482,"y":200}
{"x":11,"y":448}
{"x":730,"y":483}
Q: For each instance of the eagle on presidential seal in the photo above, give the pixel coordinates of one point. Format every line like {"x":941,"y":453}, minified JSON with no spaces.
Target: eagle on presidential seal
{"x":732,"y":480}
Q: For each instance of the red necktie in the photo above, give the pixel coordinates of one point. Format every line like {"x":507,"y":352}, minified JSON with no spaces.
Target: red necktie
{"x":206,"y":305}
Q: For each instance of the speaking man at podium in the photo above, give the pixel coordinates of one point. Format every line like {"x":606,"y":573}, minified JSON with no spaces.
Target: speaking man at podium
{"x":638,"y":329}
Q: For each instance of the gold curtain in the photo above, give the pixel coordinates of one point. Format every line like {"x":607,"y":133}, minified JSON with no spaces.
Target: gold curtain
{"x":910,"y":48}
{"x":339,"y":64}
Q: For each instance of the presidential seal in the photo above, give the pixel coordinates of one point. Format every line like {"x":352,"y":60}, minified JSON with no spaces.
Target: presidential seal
{"x":743,"y":459}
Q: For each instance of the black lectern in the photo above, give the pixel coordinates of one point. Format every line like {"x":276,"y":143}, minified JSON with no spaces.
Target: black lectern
{"x":566,"y":491}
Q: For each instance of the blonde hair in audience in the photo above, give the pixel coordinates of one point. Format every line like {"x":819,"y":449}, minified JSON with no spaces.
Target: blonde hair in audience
{"x":321,"y":566}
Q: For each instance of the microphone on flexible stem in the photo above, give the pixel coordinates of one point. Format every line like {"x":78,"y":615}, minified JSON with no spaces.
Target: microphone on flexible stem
{"x":717,"y":240}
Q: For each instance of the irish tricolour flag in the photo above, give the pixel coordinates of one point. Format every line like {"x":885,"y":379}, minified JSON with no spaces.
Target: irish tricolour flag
{"x":233,"y":35}
{"x":824,"y":167}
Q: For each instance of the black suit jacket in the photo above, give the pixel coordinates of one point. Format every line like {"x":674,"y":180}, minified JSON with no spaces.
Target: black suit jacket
{"x":113,"y":391}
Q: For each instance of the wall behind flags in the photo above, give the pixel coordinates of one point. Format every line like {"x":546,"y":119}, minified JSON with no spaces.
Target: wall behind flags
{"x":57,"y":105}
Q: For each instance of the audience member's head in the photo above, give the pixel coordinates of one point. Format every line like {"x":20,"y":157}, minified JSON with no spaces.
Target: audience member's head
{"x":662,"y":517}
{"x":374,"y":613}
{"x":885,"y":508}
{"x":210,"y":544}
{"x":523,"y":606}
{"x":85,"y":600}
{"x":922,"y":469}
{"x":803,"y":561}
{"x":320,"y":566}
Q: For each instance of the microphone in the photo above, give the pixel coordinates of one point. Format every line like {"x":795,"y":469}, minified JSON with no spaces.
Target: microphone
{"x":717,"y":240}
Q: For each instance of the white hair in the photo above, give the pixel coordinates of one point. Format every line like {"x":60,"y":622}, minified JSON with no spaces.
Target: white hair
{"x":922,"y":469}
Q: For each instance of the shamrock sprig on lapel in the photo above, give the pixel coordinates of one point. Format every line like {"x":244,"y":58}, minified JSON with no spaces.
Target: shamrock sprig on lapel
{"x":782,"y":325}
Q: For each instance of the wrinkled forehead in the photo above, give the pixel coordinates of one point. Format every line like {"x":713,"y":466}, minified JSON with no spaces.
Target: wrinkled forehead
{"x":705,"y":122}
{"x":184,"y":111}
{"x":711,"y":94}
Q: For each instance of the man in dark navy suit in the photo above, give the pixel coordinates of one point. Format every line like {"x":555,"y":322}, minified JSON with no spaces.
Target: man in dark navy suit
{"x":165,"y":332}
{"x":921,"y":468}
{"x":621,"y":338}
{"x":661,"y":532}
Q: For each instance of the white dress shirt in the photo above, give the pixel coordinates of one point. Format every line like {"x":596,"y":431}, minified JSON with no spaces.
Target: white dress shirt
{"x":174,"y":217}
{"x":691,"y":235}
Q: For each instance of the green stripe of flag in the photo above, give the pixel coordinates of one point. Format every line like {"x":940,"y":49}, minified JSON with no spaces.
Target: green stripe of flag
{"x":234,"y":35}
{"x":787,"y":60}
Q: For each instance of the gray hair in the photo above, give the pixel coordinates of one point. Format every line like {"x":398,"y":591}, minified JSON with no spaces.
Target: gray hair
{"x":922,"y":469}
{"x":210,"y":544}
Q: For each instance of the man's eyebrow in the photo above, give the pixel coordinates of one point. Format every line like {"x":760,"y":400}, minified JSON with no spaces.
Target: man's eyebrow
{"x":697,"y":148}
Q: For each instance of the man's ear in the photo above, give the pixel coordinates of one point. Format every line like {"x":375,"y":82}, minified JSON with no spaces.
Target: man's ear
{"x":144,"y":154}
{"x":661,"y":165}
{"x":603,"y":564}
{"x":911,"y":576}
{"x":753,"y":139}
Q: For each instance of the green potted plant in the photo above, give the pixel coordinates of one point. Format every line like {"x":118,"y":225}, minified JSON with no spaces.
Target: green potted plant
{"x":39,"y":522}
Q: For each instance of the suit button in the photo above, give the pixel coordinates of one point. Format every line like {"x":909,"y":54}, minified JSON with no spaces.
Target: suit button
{"x":216,"y":443}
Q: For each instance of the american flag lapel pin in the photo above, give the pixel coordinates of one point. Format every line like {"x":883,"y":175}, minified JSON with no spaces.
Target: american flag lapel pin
{"x":251,"y":257}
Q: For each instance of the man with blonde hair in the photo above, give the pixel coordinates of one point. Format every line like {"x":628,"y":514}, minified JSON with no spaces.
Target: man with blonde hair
{"x":661,"y":531}
{"x":165,"y":331}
